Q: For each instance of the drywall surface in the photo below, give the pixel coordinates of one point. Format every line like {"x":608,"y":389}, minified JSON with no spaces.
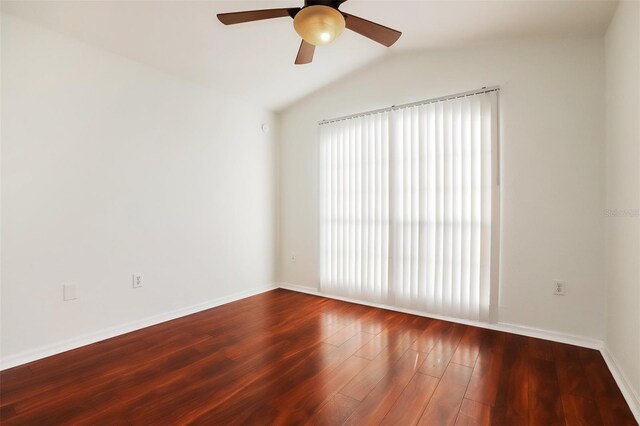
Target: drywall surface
{"x":111,"y":168}
{"x":552,"y":161}
{"x":622,"y":46}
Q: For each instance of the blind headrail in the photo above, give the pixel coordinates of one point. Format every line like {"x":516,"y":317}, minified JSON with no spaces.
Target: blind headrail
{"x":412,"y":104}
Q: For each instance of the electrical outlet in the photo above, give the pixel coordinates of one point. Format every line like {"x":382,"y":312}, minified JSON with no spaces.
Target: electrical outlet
{"x":292,"y":257}
{"x":559,"y":288}
{"x":137,"y":280}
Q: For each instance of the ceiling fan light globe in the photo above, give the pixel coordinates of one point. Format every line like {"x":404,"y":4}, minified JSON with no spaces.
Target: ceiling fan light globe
{"x":319,"y":24}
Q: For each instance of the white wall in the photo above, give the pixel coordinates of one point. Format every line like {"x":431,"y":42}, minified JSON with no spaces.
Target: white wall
{"x":109,"y":168}
{"x":623,"y":191}
{"x":552,"y":112}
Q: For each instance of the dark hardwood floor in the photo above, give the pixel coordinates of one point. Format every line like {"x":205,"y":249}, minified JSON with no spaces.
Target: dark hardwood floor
{"x":288,"y":358}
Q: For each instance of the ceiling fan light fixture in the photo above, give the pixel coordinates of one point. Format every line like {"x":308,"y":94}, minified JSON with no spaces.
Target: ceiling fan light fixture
{"x":319,"y":24}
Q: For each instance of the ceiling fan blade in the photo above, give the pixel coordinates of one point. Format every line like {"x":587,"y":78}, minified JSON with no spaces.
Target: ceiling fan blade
{"x":376,"y":32}
{"x":256,"y":15}
{"x":305,"y":53}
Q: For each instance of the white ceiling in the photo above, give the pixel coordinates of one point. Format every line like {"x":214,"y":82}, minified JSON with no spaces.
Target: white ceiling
{"x":254,"y":61}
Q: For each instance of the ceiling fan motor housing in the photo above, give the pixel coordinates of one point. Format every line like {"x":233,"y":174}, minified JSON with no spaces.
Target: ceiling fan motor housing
{"x":331,"y":3}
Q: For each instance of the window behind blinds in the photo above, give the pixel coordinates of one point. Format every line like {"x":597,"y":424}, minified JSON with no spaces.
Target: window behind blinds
{"x":408,"y":203}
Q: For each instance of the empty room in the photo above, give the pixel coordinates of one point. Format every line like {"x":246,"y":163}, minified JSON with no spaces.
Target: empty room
{"x":320,"y":212}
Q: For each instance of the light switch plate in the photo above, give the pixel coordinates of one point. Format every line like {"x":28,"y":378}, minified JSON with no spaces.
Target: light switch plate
{"x":68,"y":292}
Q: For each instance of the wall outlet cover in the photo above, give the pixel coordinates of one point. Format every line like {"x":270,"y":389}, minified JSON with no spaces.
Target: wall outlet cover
{"x":137,"y":280}
{"x":559,"y":288}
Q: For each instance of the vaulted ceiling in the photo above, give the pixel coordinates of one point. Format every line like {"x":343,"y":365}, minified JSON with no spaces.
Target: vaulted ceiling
{"x":254,"y":61}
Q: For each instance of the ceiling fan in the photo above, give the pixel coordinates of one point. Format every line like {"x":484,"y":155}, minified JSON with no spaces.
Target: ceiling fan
{"x":318,"y":22}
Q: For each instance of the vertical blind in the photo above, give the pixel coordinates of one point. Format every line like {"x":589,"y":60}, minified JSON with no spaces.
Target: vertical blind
{"x":407,"y":202}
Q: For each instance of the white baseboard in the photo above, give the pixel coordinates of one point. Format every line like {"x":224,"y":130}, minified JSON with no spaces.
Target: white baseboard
{"x":554,"y":336}
{"x":632,"y":398}
{"x":508,"y":328}
{"x":87,"y":339}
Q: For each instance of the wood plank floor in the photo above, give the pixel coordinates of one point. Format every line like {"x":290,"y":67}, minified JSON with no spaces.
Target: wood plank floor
{"x":289,"y":358}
